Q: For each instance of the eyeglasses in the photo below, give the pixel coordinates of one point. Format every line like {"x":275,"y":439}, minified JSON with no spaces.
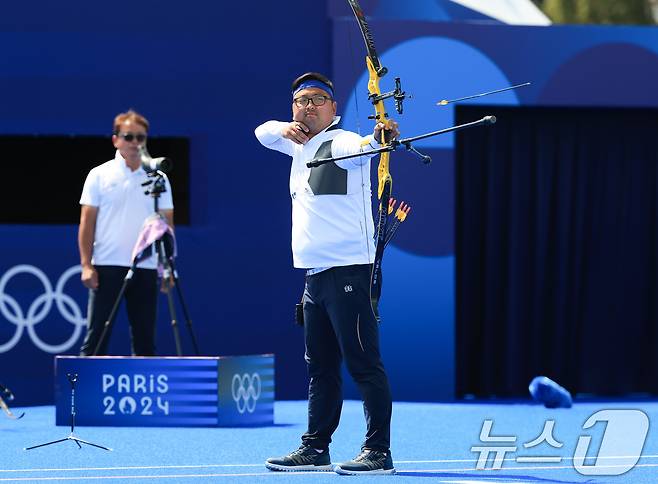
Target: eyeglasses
{"x":129,"y":137}
{"x":302,"y":101}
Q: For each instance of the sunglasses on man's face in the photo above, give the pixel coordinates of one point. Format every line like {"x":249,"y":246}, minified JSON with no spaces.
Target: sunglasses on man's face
{"x":129,"y":137}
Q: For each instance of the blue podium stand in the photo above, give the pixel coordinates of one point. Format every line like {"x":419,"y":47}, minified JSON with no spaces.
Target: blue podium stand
{"x":166,"y":391}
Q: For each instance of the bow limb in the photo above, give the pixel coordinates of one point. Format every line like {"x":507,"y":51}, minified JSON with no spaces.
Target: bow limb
{"x":376,"y":71}
{"x":384,"y":188}
{"x":383,"y":171}
{"x":384,"y":180}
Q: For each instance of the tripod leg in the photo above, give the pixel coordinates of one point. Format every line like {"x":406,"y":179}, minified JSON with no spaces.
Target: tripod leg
{"x":115,"y":307}
{"x":78,"y":441}
{"x":174,"y":323}
{"x":167,"y":269}
{"x":188,"y":321}
{"x":47,"y":443}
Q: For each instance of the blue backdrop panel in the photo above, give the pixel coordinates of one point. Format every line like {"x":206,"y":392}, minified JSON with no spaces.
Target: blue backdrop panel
{"x":166,"y":392}
{"x":567,"y":66}
{"x":212,"y":73}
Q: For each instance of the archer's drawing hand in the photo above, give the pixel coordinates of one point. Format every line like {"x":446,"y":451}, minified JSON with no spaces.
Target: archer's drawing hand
{"x":296,"y":132}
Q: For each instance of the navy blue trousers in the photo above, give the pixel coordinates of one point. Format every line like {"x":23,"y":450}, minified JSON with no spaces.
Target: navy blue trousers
{"x":141,"y":298}
{"x":339,"y":325}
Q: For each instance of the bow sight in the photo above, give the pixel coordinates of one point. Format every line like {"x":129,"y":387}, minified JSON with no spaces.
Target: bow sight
{"x":397,"y":94}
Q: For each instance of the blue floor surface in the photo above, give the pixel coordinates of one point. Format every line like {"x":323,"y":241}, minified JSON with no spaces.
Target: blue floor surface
{"x":431,"y":443}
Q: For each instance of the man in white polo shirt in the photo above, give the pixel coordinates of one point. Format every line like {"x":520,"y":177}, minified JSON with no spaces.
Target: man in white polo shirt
{"x":332,"y":239}
{"x":113,"y":210}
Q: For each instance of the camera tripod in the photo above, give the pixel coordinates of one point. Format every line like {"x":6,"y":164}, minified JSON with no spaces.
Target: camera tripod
{"x":72,"y":377}
{"x":156,"y":235}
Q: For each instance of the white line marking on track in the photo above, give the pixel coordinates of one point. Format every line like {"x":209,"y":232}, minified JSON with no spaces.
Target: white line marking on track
{"x":124,"y":468}
{"x":454,"y":461}
{"x":212,"y":466}
{"x":286,"y":474}
{"x":175,"y":476}
{"x":518,"y":468}
{"x":271,"y":473}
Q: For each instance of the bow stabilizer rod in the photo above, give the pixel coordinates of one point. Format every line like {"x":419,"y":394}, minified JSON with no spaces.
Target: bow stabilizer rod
{"x":406,"y":143}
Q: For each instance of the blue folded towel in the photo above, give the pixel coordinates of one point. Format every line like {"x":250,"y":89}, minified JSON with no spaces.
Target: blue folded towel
{"x":546,"y":391}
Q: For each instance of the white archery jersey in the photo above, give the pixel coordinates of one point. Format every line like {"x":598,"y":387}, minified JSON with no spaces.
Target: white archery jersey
{"x":332,"y":223}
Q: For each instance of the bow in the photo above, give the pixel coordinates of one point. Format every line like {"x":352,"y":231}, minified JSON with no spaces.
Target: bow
{"x":384,"y":230}
{"x":385,"y":182}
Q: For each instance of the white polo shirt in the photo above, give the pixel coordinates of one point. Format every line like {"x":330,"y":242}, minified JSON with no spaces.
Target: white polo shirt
{"x":123,"y":207}
{"x":332,"y":223}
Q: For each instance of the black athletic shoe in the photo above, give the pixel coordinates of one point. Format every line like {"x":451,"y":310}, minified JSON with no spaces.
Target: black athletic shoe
{"x":305,"y":458}
{"x":368,"y":462}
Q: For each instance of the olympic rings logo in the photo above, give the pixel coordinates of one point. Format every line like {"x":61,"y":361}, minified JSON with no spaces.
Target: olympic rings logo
{"x":39,"y":308}
{"x":245,"y":390}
